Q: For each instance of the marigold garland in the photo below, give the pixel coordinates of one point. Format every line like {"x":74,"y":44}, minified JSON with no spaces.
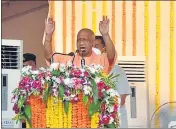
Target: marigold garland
{"x":38,"y":112}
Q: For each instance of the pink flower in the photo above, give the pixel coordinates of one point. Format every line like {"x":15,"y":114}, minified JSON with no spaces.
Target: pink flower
{"x":67,"y":93}
{"x":48,"y":74}
{"x":78,"y":86}
{"x":26,"y":79}
{"x":77,"y":83}
{"x":76,"y":73}
{"x":37,"y":85}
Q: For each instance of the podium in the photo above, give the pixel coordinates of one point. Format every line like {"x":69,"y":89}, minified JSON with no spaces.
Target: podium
{"x":67,"y":97}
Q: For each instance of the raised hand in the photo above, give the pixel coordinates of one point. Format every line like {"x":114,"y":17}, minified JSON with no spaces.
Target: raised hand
{"x":104,"y":26}
{"x":49,"y":26}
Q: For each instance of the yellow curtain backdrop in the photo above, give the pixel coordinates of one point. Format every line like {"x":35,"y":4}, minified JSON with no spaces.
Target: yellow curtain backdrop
{"x":137,"y":28}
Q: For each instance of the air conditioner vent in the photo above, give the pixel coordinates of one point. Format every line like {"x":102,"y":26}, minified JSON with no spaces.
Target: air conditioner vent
{"x":10,"y":57}
{"x":135,"y":70}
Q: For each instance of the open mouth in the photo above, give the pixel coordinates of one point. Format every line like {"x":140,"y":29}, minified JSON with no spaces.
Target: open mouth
{"x":82,"y":49}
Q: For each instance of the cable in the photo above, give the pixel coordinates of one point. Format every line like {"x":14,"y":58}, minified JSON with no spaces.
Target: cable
{"x":158,"y":109}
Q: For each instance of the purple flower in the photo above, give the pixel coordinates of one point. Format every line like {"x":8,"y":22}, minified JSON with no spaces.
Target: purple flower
{"x":15,"y":108}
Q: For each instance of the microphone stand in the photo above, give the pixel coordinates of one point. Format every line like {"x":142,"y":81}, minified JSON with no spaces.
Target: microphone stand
{"x":83,"y":60}
{"x":74,"y":56}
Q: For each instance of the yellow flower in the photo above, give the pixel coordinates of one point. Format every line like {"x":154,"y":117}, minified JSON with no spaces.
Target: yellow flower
{"x":104,"y":74}
{"x":95,"y":120}
{"x":27,"y":125}
{"x":15,"y":118}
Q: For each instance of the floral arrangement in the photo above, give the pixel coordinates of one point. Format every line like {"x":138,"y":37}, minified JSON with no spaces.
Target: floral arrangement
{"x":67,"y":97}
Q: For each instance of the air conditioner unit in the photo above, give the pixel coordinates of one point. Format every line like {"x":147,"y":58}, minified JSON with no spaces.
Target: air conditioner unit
{"x":11,"y":64}
{"x":137,"y":103}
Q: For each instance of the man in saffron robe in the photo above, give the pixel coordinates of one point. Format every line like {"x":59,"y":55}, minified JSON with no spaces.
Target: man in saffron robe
{"x":85,"y":42}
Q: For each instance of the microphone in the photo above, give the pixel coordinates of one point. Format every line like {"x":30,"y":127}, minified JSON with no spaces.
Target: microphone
{"x":69,"y":54}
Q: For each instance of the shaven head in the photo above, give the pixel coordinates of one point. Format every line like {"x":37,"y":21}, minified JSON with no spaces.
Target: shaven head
{"x":85,"y":41}
{"x":88,"y":31}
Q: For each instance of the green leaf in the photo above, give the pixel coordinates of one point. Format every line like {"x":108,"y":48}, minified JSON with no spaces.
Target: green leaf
{"x":61,"y":91}
{"x":110,"y":75}
{"x":85,"y":99}
{"x":27,"y":111}
{"x":95,"y":91}
{"x":93,"y":108}
{"x":17,"y":121}
{"x":27,"y":114}
{"x":66,"y":106}
{"x":47,"y":92}
{"x":49,"y":83}
{"x":114,"y":76}
{"x":28,"y":120}
{"x":111,"y":126}
{"x":56,"y":73}
{"x":20,"y":102}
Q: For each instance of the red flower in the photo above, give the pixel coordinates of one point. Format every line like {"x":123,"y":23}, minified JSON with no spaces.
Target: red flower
{"x":103,"y":107}
{"x":15,"y":108}
{"x":100,"y":85}
{"x":107,"y":87}
{"x":26,"y":79}
{"x":74,"y":99}
{"x":113,"y":115}
{"x":115,"y":108}
{"x":21,"y":84}
{"x":41,"y":75}
{"x":106,"y":119}
{"x":90,"y":99}
{"x":61,"y":79}
{"x":86,"y":74}
{"x":27,"y":102}
{"x":100,"y":94}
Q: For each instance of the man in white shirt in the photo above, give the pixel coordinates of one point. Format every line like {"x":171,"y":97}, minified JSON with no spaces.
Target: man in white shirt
{"x":124,"y":90}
